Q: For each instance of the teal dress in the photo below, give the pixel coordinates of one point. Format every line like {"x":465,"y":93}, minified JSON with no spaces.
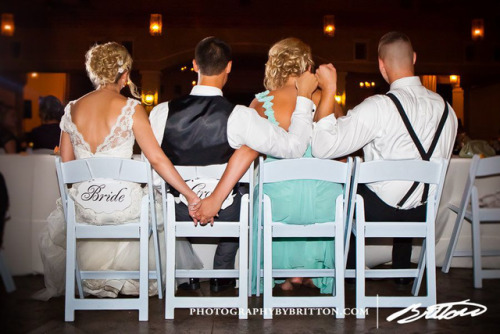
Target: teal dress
{"x":298,"y":202}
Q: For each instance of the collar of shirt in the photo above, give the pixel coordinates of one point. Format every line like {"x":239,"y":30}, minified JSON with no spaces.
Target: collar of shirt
{"x":404,"y":82}
{"x":201,"y":90}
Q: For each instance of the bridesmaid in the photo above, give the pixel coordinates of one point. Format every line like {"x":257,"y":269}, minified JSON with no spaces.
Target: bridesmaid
{"x":299,"y":201}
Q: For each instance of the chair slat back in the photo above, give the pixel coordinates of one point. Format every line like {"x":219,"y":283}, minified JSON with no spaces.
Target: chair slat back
{"x":431,"y":172}
{"x":488,"y":166}
{"x":305,"y":169}
{"x":210,"y":171}
{"x":104,"y":168}
{"x":400,"y":170}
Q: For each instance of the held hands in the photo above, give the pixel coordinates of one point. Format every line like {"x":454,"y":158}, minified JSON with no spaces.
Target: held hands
{"x":306,"y":84}
{"x":194,"y":204}
{"x":209,"y":209}
{"x":326,"y":75}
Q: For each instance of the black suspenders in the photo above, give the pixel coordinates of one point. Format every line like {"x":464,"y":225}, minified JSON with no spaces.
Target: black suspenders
{"x":425,"y":155}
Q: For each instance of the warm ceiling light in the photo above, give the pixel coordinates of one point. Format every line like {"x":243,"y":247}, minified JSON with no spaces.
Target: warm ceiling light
{"x":453,"y":78}
{"x":329,"y":25}
{"x":155,"y":25}
{"x":361,"y":84}
{"x":193,"y":83}
{"x":477,"y":29}
{"x":373,"y":84}
{"x":34,"y":74}
{"x":8,"y":24}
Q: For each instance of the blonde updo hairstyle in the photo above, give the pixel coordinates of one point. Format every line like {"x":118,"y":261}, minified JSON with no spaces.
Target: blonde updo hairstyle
{"x":286,"y":58}
{"x":106,"y":63}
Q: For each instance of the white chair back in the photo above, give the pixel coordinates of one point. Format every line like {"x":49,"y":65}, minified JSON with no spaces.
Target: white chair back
{"x":115,"y":169}
{"x":176,"y":229}
{"x":431,"y":172}
{"x":302,"y":169}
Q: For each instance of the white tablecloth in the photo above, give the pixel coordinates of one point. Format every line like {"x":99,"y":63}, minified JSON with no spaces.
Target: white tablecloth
{"x":32,"y":185}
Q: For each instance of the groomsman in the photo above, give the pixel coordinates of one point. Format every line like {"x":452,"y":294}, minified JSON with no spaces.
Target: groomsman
{"x":204,"y":128}
{"x":381,"y":126}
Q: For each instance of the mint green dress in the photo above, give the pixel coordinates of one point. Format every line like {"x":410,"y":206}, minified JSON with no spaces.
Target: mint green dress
{"x":298,"y":202}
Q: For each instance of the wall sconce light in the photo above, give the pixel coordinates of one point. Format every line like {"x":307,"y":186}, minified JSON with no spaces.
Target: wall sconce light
{"x":329,"y":25}
{"x":477,"y":29}
{"x":455,"y":80}
{"x":366,"y":84}
{"x":8,"y":24}
{"x":155,"y":25}
{"x":150,"y":98}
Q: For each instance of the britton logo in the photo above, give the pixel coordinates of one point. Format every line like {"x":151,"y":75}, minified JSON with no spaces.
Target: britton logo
{"x":443,"y":311}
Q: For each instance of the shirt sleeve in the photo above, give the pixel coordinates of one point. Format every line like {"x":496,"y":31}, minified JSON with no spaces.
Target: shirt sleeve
{"x":158,"y":119}
{"x":333,"y":138}
{"x":247,"y":127}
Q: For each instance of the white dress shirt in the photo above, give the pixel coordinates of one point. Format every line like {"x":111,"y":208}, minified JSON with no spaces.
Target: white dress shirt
{"x":376,"y":126}
{"x":246,"y":127}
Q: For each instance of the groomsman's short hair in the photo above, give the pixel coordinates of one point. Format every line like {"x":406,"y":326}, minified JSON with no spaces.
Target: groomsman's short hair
{"x":394,"y":37}
{"x":212,"y":55}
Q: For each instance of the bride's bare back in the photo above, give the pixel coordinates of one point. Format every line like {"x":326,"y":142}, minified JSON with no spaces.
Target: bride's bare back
{"x":95,"y":115}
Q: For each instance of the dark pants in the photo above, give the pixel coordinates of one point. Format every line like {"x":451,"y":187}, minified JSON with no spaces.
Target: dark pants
{"x":227,"y":247}
{"x":377,"y":210}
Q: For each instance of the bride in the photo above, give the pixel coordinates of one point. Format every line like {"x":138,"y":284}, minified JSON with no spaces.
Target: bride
{"x":104,"y":123}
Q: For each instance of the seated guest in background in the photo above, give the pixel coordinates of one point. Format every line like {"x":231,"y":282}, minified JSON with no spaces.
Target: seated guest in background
{"x":48,"y":134}
{"x":104,"y":123}
{"x":298,"y":201}
{"x":377,"y":125}
{"x":8,"y":141}
{"x":204,"y":128}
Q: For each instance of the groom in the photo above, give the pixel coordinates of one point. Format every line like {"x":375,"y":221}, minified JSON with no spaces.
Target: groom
{"x":204,"y":128}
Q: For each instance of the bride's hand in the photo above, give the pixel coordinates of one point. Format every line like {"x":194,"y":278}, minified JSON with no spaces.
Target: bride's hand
{"x":209,"y":209}
{"x":306,"y":84}
{"x":326,"y":75}
{"x":194,"y":204}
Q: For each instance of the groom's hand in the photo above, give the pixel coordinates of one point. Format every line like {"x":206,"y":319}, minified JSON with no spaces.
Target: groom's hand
{"x":306,"y":84}
{"x":209,"y":209}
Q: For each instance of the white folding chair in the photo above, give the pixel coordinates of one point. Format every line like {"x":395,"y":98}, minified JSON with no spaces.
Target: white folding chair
{"x":119,"y":170}
{"x":303,"y":169}
{"x":475,"y":215}
{"x":176,"y":229}
{"x":431,"y":172}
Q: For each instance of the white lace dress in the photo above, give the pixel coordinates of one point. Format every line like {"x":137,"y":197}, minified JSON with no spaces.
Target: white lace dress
{"x":103,"y":255}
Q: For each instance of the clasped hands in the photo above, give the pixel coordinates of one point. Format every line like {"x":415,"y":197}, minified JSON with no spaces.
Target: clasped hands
{"x":204,"y":211}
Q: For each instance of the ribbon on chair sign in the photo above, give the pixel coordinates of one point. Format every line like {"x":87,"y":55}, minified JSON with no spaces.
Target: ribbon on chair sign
{"x":204,"y":187}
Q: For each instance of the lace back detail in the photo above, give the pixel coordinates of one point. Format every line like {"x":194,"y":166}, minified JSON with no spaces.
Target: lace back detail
{"x":122,"y":130}
{"x":266,"y":99}
{"x":121,"y":134}
{"x":68,"y":126}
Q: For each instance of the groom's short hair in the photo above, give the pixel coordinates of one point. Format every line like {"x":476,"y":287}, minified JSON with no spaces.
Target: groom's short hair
{"x":212,"y":55}
{"x":391,"y":38}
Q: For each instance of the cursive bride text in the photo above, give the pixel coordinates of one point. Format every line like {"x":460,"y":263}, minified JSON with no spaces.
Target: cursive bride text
{"x":95,"y":193}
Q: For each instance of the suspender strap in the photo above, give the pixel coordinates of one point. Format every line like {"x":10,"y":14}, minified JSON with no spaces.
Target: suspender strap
{"x":425,"y":155}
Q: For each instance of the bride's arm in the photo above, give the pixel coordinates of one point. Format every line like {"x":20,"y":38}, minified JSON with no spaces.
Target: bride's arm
{"x":66,"y":149}
{"x":149,"y":146}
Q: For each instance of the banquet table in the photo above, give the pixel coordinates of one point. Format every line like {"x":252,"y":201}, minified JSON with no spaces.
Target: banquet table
{"x":32,"y":186}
